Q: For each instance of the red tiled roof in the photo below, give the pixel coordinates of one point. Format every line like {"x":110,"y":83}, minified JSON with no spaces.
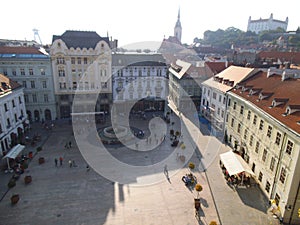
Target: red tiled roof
{"x":217,"y":67}
{"x":7,"y":84}
{"x":287,"y":89}
{"x":293,"y":57}
{"x":19,"y":50}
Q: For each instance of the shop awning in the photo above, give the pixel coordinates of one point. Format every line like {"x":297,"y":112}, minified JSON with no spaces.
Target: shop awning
{"x":234,"y":163}
{"x":14,"y":152}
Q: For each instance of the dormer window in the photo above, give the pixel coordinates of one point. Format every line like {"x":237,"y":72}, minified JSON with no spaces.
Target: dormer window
{"x":264,"y":95}
{"x":279,"y":101}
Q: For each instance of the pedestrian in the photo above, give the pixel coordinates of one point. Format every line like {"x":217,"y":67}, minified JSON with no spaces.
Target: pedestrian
{"x":66,"y":146}
{"x":70,"y":163}
{"x":136,"y":145}
{"x":73,"y":163}
{"x":55,"y":160}
{"x":60,"y":161}
{"x":70,"y":144}
{"x":166,"y":172}
{"x":87,"y":168}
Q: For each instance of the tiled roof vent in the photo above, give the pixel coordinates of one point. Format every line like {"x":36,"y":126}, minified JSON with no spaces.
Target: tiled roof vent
{"x":279,"y":101}
{"x":290,"y":109}
{"x":254,"y":91}
{"x":264,"y":95}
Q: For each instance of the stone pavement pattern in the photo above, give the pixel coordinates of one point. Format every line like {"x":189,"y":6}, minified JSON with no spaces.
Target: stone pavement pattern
{"x":63,"y":195}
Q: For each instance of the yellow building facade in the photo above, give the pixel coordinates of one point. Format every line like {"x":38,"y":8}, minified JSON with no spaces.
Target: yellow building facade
{"x":262,"y":125}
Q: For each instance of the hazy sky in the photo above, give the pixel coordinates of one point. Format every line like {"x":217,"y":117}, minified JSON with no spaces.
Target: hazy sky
{"x":136,"y":20}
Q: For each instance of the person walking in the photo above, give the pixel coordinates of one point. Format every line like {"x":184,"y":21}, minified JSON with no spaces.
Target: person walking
{"x":70,"y":144}
{"x":70,"y":163}
{"x":60,"y":161}
{"x":87,"y":168}
{"x":55,"y":160}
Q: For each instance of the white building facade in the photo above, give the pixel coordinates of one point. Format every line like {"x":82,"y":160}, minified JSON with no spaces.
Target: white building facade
{"x":140,"y":78}
{"x":213,"y":100}
{"x":81,"y":64}
{"x":13,"y":120}
{"x":31,"y":68}
{"x":266,"y":24}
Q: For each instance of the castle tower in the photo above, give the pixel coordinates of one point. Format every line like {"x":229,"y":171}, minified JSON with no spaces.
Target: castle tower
{"x":178,"y":29}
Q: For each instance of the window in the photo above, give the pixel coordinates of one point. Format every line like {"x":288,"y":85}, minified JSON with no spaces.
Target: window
{"x":34,"y":98}
{"x":218,"y":111}
{"x":62,"y":86}
{"x":272,"y":164}
{"x":234,"y":105}
{"x":257,"y":147}
{"x":278,"y":138}
{"x":26,"y":99}
{"x":5,"y":107}
{"x":264,"y":156}
{"x":16,"y":118}
{"x":232,"y":122}
{"x":289,"y":147}
{"x":8,"y":123}
{"x":84,"y":60}
{"x":30,"y":71}
{"x":242,"y":110}
{"x":260,"y":176}
{"x":14,"y":72}
{"x":261,"y":124}
{"x":254,"y":119}
{"x":32,"y":84}
{"x":24,"y":84}
{"x":203,"y":102}
{"x":224,"y":100}
{"x":222,"y":113}
{"x":46,"y":99}
{"x":104,"y":84}
{"x":246,"y":134}
{"x":229,"y":102}
{"x":277,"y":198}
{"x":220,"y":98}
{"x":13,"y":103}
{"x":20,"y":100}
{"x":72,"y":60}
{"x":22,"y":71}
{"x":251,"y":140}
{"x":60,"y":60}
{"x":268,"y":185}
{"x":214,"y":95}
{"x":5,"y":71}
{"x":44,"y":84}
{"x":239,"y":128}
{"x":43,"y":72}
{"x":249,"y":115}
{"x":61,"y":72}
{"x":269,"y":133}
{"x":78,"y":60}
{"x":282,"y":175}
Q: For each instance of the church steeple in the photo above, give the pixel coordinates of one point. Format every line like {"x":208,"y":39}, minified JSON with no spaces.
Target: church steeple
{"x":178,"y":29}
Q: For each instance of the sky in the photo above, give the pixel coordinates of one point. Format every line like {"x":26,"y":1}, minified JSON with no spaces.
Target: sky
{"x":132,"y":21}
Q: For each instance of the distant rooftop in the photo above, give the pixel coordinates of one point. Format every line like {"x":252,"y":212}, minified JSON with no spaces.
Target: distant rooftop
{"x":22,"y":52}
{"x":80,"y":39}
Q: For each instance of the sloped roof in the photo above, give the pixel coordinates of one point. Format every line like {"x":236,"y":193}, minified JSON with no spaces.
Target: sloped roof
{"x":7,"y":85}
{"x":292,"y":57}
{"x":217,"y":67}
{"x":19,"y":50}
{"x":124,"y":60}
{"x":80,"y":39}
{"x":287,"y":89}
{"x":233,"y":74}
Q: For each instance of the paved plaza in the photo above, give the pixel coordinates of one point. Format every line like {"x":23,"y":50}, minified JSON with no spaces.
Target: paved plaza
{"x":73,"y":195}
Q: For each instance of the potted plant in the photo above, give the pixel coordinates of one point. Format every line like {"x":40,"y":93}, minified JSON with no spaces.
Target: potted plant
{"x":14,"y":199}
{"x":27,"y":179}
{"x":198,"y":188}
{"x":41,"y":160}
{"x":191,"y":165}
{"x":11,"y":183}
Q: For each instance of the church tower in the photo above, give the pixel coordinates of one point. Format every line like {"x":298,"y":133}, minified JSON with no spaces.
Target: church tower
{"x":178,"y":29}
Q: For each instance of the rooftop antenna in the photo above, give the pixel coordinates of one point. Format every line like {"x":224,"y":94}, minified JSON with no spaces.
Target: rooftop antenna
{"x":36,"y":35}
